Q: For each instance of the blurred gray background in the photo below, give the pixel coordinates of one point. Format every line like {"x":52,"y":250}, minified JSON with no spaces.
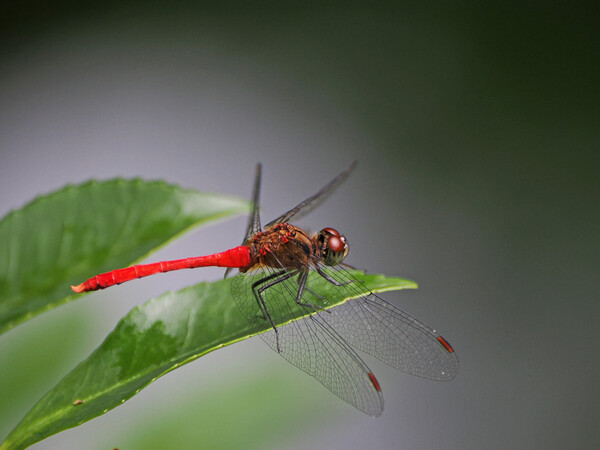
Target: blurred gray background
{"x":476,"y":128}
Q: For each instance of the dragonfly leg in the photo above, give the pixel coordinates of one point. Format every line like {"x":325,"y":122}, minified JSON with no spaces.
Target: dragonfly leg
{"x":320,"y":297}
{"x":301,"y":286}
{"x":276,"y":277}
{"x":331,"y":280}
{"x":257,"y":294}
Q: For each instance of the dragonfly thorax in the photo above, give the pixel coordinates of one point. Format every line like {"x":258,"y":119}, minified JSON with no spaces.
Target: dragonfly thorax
{"x":333,"y":246}
{"x":282,"y":246}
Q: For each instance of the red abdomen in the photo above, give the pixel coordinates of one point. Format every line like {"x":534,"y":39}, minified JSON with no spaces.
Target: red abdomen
{"x":235,"y":257}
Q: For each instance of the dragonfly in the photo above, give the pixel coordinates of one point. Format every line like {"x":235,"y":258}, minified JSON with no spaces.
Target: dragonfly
{"x":283,"y":272}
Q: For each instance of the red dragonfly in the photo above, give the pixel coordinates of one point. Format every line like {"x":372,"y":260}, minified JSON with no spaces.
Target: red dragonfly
{"x":281,"y":270}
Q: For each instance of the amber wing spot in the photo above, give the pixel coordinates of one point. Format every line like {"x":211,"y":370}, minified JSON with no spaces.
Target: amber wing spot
{"x":375,"y":382}
{"x":445,"y":344}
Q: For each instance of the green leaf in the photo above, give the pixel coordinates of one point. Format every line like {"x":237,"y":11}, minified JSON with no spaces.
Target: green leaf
{"x":150,"y":341}
{"x":65,"y":237}
{"x":205,"y":416}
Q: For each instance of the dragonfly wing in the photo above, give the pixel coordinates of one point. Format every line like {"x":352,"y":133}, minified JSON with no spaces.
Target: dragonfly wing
{"x":377,"y":327}
{"x":312,"y":202}
{"x":309,"y":343}
{"x":254,"y":217}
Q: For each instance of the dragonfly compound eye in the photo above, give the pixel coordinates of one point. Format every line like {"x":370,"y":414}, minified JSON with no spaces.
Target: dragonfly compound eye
{"x":334,"y":246}
{"x":331,"y":231}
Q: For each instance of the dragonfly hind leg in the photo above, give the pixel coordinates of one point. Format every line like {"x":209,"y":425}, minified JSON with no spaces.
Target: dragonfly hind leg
{"x":276,"y":278}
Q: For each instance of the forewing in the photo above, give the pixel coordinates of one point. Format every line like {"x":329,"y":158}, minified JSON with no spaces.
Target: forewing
{"x":254,"y":217}
{"x":377,"y":327}
{"x":312,"y":202}
{"x":310,"y":343}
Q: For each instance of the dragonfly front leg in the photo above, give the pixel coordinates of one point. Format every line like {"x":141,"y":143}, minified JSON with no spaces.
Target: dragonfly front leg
{"x":331,"y":280}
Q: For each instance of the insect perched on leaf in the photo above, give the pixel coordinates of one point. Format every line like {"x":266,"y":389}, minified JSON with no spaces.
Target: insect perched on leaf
{"x":281,"y":269}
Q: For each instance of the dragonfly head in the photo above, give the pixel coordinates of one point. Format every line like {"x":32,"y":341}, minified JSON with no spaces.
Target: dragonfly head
{"x":333,"y":245}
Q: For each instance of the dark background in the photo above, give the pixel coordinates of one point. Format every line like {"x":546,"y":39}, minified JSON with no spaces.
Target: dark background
{"x":476,"y":128}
